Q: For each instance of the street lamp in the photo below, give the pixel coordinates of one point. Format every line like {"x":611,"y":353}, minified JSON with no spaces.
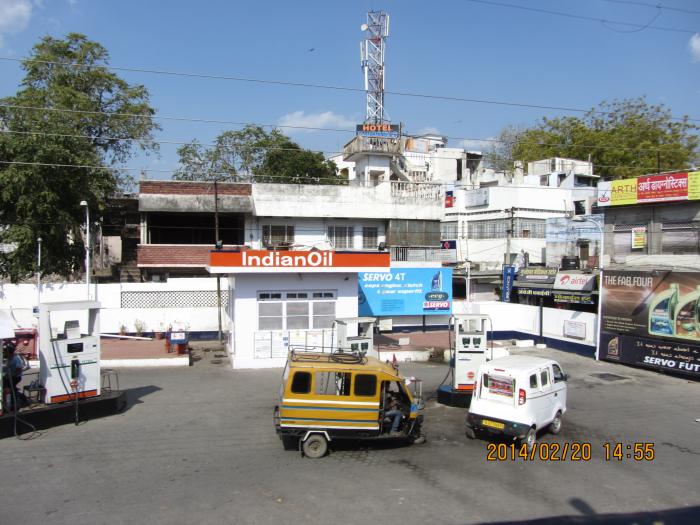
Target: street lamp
{"x":38,"y":273}
{"x":87,"y":247}
{"x":581,"y":218}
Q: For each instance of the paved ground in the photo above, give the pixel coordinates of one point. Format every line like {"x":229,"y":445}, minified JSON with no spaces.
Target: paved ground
{"x":197,"y":446}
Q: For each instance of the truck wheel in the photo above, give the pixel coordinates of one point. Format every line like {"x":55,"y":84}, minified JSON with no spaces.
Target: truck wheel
{"x":290,"y":442}
{"x":555,"y":425}
{"x":530,"y":439}
{"x":469,"y":432}
{"x":315,"y":446}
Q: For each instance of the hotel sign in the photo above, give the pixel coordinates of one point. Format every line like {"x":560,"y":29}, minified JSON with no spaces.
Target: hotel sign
{"x":381,"y":130}
{"x":263,"y":261}
{"x":680,"y":186}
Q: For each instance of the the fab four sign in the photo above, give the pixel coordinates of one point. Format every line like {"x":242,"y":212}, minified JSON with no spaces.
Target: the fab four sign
{"x":249,"y":261}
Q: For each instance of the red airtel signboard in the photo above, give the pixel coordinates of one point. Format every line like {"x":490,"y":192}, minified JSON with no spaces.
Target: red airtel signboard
{"x":315,"y":260}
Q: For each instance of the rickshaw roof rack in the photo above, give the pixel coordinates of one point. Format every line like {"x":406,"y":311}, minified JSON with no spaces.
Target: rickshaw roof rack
{"x":338,"y":355}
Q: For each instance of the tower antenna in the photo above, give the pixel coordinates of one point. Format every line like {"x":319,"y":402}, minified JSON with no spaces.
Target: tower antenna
{"x":372,"y":59}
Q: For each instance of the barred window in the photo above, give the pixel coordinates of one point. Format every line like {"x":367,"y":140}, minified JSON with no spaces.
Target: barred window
{"x":277,"y":234}
{"x":448,"y":230}
{"x":498,"y":228}
{"x":296,"y":310}
{"x":680,"y":238}
{"x":370,"y":237}
{"x":341,"y":236}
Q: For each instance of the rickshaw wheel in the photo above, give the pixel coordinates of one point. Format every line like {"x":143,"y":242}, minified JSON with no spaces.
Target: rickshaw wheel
{"x":315,"y":446}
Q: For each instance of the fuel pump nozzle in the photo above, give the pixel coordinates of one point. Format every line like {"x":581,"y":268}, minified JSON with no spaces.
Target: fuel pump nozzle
{"x":75,"y":383}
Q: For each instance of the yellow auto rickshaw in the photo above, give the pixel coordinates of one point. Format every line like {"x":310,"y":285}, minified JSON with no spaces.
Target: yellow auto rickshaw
{"x":326,"y":397}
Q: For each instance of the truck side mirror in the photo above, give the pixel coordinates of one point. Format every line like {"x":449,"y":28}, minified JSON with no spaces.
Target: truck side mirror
{"x":565,"y":377}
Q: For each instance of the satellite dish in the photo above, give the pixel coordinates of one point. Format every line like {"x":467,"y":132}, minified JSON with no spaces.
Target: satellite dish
{"x":364,"y":27}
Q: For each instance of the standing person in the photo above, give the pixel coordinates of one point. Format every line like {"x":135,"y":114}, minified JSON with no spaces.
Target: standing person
{"x":15,"y":365}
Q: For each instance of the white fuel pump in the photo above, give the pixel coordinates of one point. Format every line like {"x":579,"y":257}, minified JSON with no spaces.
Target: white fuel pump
{"x":70,"y":360}
{"x":470,"y":349}
{"x":363,"y":342}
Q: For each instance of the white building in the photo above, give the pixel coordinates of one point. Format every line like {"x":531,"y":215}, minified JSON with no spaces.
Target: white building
{"x":497,"y":214}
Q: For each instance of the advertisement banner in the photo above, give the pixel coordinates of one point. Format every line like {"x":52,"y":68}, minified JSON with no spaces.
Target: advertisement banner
{"x":379,"y":130}
{"x":405,"y":291}
{"x":508,"y":278}
{"x":571,"y":298}
{"x":679,"y":186}
{"x":651,"y":316}
{"x":574,"y":281}
{"x":478,"y":197}
{"x":537,"y":274}
{"x":449,"y":199}
{"x":639,"y":238}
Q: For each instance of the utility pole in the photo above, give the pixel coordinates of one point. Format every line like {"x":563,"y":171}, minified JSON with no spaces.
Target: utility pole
{"x":216,"y":243}
{"x":509,"y":233}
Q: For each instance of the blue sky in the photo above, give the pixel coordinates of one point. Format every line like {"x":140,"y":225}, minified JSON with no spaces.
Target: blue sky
{"x":454,"y":48}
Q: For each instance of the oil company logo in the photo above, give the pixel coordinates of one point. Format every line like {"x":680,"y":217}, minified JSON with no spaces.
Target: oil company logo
{"x":436,"y":305}
{"x":436,"y":296}
{"x":294,"y":259}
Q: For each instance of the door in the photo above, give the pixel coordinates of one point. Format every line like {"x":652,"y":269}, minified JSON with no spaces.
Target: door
{"x":559,"y":388}
{"x":545,"y":407}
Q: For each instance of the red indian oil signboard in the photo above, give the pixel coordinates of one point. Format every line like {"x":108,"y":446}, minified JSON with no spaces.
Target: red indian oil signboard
{"x":248,"y":261}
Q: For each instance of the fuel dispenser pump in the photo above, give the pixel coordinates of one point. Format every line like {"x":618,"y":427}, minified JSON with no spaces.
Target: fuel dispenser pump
{"x":70,"y":361}
{"x":363,"y":342}
{"x":470,"y":349}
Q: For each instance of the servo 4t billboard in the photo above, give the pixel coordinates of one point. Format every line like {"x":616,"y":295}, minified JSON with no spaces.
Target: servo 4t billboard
{"x":405,"y":291}
{"x":651,"y":319}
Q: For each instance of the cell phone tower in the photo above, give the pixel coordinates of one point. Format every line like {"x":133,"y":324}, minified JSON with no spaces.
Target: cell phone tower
{"x":372,"y":59}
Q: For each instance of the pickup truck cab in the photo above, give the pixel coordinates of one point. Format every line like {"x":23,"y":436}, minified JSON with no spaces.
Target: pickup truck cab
{"x":518,"y":396}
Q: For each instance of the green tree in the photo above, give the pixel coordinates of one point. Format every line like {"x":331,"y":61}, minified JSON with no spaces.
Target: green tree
{"x":44,"y":201}
{"x":622,"y":138}
{"x":254,"y":154}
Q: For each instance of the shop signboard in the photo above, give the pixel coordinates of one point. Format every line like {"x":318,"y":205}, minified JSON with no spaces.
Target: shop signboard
{"x":449,"y":199}
{"x":405,"y":291}
{"x":478,"y":197}
{"x":651,"y":319}
{"x":378,"y":130}
{"x":572,"y":298}
{"x":260,"y":261}
{"x":535,"y":292}
{"x":574,"y":281}
{"x":537,"y":274}
{"x":639,"y":237}
{"x":508,"y":278}
{"x":678,"y":186}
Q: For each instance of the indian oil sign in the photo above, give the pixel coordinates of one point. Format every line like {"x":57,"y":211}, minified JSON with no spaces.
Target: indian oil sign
{"x":247,"y":261}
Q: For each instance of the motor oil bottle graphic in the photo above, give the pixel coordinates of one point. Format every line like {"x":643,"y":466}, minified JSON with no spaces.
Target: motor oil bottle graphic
{"x":686,"y":318}
{"x":662,"y":311}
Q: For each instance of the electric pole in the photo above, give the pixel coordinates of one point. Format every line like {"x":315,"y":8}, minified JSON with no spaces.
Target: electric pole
{"x":509,"y":233}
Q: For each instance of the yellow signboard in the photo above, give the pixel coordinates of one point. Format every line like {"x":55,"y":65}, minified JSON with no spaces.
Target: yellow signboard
{"x":693,"y":185}
{"x":623,"y":191}
{"x":639,"y":238}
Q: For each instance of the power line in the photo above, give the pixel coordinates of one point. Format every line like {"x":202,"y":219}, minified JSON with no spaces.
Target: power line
{"x":188,"y":119}
{"x":580,"y":17}
{"x":250,"y":178}
{"x":655,"y":6}
{"x":322,"y":86}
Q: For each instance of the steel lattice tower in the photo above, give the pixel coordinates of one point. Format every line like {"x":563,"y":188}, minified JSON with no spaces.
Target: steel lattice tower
{"x":372,"y":59}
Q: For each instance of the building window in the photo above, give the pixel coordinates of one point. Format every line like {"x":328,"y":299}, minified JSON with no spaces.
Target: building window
{"x":275,"y":235}
{"x":341,"y":237}
{"x":448,"y":231}
{"x":370,"y":237}
{"x":579,"y":207}
{"x":296,"y":310}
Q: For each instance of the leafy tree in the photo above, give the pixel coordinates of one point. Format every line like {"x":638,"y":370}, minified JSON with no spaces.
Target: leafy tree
{"x":44,"y":201}
{"x":621,"y":138}
{"x":253,"y":154}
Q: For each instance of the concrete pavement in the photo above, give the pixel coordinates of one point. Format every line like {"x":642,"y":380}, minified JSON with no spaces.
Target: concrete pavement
{"x":197,"y":445}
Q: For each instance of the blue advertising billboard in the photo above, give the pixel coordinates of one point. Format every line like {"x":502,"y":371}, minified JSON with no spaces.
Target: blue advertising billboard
{"x":405,"y":291}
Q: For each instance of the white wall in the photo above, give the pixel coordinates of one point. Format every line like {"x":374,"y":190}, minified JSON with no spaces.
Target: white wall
{"x":525,"y":318}
{"x":245,"y":311}
{"x":21,"y":298}
{"x":313,"y":231}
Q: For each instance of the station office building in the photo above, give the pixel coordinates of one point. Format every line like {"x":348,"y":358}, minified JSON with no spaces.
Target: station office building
{"x":288,"y":299}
